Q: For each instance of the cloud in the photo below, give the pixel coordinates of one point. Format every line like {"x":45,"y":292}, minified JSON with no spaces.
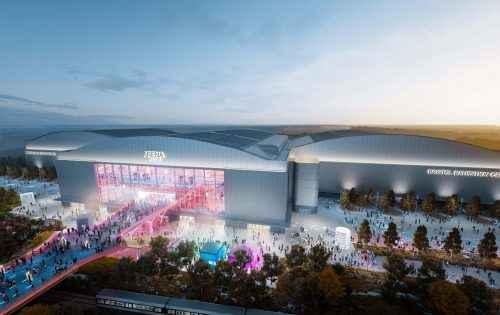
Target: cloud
{"x":114,"y":82}
{"x":118,"y":81}
{"x":11,"y":98}
{"x":16,"y":116}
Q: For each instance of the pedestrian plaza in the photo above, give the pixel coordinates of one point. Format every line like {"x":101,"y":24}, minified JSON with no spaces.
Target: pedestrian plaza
{"x":70,"y":246}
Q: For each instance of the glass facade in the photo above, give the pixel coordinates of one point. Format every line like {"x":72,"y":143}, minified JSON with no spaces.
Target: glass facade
{"x":196,"y":190}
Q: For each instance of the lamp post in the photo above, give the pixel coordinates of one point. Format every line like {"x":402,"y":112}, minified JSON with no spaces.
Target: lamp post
{"x":460,"y":214}
{"x":416,"y":204}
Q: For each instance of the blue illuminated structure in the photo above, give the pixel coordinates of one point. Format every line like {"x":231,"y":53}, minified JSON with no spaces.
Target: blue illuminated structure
{"x":212,"y":252}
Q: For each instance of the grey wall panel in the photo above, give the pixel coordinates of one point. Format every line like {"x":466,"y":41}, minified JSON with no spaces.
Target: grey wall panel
{"x":400,"y":149}
{"x":77,"y":182}
{"x":256,"y":197}
{"x":403,"y":178}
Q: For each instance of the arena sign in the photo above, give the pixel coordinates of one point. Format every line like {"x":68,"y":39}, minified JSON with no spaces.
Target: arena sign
{"x":153,"y":156}
{"x":464,"y":173}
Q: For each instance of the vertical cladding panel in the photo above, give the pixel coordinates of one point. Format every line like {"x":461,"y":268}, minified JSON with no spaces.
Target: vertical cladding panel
{"x":291,"y":171}
{"x":306,"y":186}
{"x":256,"y":197}
{"x":404,"y":178}
{"x":77,"y":181}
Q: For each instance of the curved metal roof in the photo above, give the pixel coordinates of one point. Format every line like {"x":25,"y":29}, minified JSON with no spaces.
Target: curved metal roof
{"x":64,"y":140}
{"x":400,"y":149}
{"x":70,"y":140}
{"x":179,"y":152}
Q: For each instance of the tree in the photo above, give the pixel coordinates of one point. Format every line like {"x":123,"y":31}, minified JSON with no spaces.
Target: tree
{"x":147,"y":264}
{"x":431,"y":270}
{"x":495,"y":210}
{"x":397,"y":270}
{"x":125,"y":272}
{"x":223,"y":274}
{"x":362,"y":200}
{"x":200,"y":275}
{"x":25,"y":172}
{"x":296,"y":257}
{"x":452,"y":205}
{"x":305,"y":293}
{"x":408,"y":202}
{"x":473,"y":207}
{"x":241,"y":260}
{"x":487,"y":247}
{"x":67,"y":308}
{"x":453,"y":242}
{"x":185,"y":252}
{"x":318,"y":257}
{"x":102,"y":272}
{"x":330,"y":287}
{"x":344,"y":199}
{"x":384,"y":202}
{"x":12,"y":171}
{"x":159,"y":249}
{"x":446,"y":298}
{"x":36,"y":309}
{"x":34,"y":172}
{"x":480,"y":295}
{"x":391,"y":235}
{"x":52,"y":174}
{"x":364,"y":232}
{"x":420,"y":240}
{"x":371,"y":198}
{"x":429,"y":203}
{"x":43,"y":173}
{"x":353,"y":196}
{"x":3,"y":170}
{"x":271,"y":267}
{"x":392,"y":198}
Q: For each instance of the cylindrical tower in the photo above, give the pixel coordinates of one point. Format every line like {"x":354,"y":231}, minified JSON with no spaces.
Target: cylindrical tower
{"x":306,"y":185}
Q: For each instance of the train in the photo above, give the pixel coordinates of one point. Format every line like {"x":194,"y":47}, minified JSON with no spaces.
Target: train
{"x":140,"y":303}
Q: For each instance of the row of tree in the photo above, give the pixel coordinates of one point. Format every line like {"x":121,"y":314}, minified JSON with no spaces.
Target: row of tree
{"x":26,"y":172}
{"x":302,"y":282}
{"x":467,"y":296}
{"x":16,"y":230}
{"x":487,"y":247}
{"x":408,"y":202}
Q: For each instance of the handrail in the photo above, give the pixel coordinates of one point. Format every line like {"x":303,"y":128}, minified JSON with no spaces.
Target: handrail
{"x":27,"y":255}
{"x":58,"y":278}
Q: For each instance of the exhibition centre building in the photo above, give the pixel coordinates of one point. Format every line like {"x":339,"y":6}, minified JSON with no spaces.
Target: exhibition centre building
{"x":253,"y":177}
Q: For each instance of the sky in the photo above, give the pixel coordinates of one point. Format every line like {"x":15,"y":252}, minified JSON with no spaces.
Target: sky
{"x":249,"y":62}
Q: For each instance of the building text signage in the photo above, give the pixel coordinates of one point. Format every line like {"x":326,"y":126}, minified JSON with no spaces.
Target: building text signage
{"x":154,"y":155}
{"x":470,"y":173}
{"x":40,"y":153}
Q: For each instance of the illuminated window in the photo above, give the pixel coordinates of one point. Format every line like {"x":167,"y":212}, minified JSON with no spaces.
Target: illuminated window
{"x":192,"y":190}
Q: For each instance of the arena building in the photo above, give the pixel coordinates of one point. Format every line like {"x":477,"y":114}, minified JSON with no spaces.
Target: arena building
{"x":253,"y":177}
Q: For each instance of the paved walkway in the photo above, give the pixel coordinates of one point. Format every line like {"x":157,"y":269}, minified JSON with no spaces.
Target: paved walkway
{"x":65,"y":253}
